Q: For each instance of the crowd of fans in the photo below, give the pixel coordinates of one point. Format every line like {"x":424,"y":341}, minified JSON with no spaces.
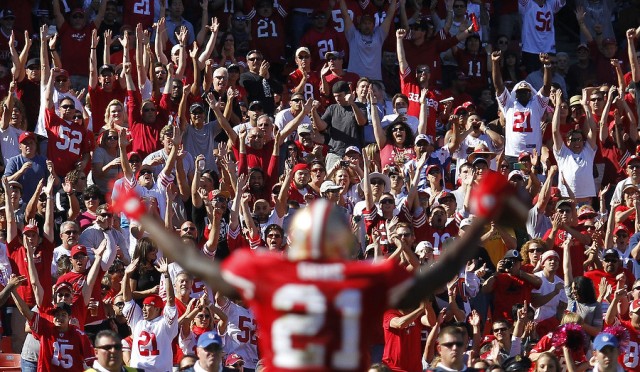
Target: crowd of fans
{"x":226,"y":117}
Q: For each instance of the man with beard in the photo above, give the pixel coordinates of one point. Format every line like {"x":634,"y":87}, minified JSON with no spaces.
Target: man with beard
{"x":152,"y":325}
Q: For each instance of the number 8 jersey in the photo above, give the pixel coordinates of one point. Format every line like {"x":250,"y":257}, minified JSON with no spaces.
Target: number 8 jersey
{"x":315,"y":315}
{"x":522,"y":123}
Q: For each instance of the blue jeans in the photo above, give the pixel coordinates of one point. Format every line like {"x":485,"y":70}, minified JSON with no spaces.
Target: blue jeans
{"x":28,"y":366}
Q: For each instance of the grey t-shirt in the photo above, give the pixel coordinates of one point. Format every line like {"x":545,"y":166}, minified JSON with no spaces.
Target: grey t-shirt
{"x":344,"y":131}
{"x":365,"y":52}
{"x":202,"y":141}
{"x":537,"y":223}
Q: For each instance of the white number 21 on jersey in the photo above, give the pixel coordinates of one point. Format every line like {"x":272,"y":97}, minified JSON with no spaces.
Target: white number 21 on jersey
{"x":348,"y":302}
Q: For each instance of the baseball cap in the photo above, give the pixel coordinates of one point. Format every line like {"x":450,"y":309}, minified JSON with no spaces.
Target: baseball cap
{"x":341,"y":87}
{"x":63,"y":72}
{"x":629,"y":187}
{"x":16,"y":184}
{"x":468,"y":104}
{"x":62,"y":306}
{"x":154,"y":300}
{"x":297,"y":94}
{"x":302,"y":49}
{"x":620,"y":228}
{"x":7,"y":13}
{"x":582,"y":45}
{"x":512,"y":254}
{"x":575,"y":100}
{"x":631,"y":159}
{"x":30,"y":228}
{"x":524,"y":155}
{"x":104,"y":68}
{"x":354,"y":149}
{"x":516,"y":363}
{"x":210,"y":338}
{"x":305,"y":128}
{"x":218,"y":192}
{"x":26,"y":136}
{"x":33,"y":62}
{"x":78,"y":249}
{"x":63,"y":285}
{"x":433,"y":166}
{"x":563,"y":201}
{"x":256,"y":105}
{"x":423,"y":246}
{"x":586,"y":211}
{"x":334,"y":54}
{"x":422,"y":137}
{"x":603,"y":340}
{"x":611,"y":252}
{"x":328,"y":186}
{"x":423,"y":22}
{"x":445,"y":195}
{"x":548,"y":254}
{"x":233,"y":66}
{"x":634,"y":306}
{"x":233,"y":359}
{"x":522,"y":86}
{"x":132,"y":154}
{"x":195,"y":106}
{"x":515,"y":173}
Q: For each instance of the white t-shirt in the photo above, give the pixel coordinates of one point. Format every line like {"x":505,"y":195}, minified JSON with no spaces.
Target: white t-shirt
{"x":538,"y":32}
{"x":577,"y":170}
{"x":241,"y":337}
{"x":522,"y":123}
{"x":284,"y":117}
{"x":151,"y":349}
{"x":548,"y":310}
{"x":469,"y":144}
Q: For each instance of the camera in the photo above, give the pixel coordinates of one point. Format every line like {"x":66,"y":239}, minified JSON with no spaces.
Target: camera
{"x":507,"y":265}
{"x":344,"y":163}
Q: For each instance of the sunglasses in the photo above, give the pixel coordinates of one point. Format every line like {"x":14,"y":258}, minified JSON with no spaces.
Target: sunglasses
{"x":67,"y":107}
{"x":188,"y":228}
{"x":253,"y":59}
{"x":119,"y":304}
{"x":404,"y":235}
{"x":387,"y":201}
{"x":398,"y":129}
{"x":296,"y":100}
{"x":145,"y":171}
{"x":92,"y":197}
{"x":423,"y":71}
{"x":110,"y":138}
{"x":79,"y":117}
{"x":450,"y":345}
{"x":536,"y":250}
{"x":564,"y":211}
{"x":596,"y":99}
{"x":304,"y":57}
{"x":500,"y":330}
{"x":377,"y":181}
{"x":633,"y":166}
{"x":203,"y":316}
{"x":434,"y":172}
{"x":114,"y":347}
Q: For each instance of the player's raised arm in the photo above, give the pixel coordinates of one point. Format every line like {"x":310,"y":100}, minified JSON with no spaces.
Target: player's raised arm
{"x":489,"y":199}
{"x":193,"y":261}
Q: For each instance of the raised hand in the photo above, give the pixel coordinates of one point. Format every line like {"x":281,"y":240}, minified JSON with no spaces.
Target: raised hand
{"x":401,"y":33}
{"x":132,"y":267}
{"x":496,"y":56}
{"x":162,"y":266}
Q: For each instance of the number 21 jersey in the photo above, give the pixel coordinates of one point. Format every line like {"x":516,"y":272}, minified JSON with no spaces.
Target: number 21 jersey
{"x":311,"y":315}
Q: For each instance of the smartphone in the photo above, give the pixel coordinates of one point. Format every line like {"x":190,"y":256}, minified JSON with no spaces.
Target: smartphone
{"x":201,"y":165}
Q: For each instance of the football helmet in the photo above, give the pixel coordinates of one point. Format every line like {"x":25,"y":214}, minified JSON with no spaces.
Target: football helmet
{"x":319,"y":232}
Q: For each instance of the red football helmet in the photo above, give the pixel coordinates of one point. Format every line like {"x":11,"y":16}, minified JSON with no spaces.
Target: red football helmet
{"x":319,"y":232}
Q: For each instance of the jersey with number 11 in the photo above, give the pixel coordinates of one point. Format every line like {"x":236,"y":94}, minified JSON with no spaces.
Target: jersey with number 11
{"x":314,"y":316}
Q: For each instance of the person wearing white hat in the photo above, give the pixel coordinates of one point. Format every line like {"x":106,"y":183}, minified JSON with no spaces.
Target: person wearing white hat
{"x":550,"y":300}
{"x":302,"y":79}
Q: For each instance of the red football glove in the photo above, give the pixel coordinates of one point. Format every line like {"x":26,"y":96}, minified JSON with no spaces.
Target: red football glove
{"x":130,"y":204}
{"x":487,"y":198}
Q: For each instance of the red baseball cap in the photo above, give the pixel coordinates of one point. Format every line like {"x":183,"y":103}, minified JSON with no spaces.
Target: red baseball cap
{"x":154,"y":300}
{"x":635,"y":306}
{"x":26,"y":136}
{"x":233,"y":359}
{"x":78,"y":249}
{"x":30,"y":228}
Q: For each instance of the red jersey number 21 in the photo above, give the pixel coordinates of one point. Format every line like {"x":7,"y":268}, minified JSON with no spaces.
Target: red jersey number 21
{"x":348,"y":302}
{"x":522,"y":122}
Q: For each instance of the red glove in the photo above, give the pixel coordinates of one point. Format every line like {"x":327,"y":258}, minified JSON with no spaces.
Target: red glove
{"x":487,"y":198}
{"x":130,"y":204}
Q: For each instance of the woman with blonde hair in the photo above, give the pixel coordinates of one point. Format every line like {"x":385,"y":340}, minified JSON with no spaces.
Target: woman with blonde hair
{"x":114,"y":116}
{"x":371,"y":150}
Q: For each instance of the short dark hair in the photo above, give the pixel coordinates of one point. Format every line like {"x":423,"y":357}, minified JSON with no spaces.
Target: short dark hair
{"x":452,"y":330}
{"x":108,"y":333}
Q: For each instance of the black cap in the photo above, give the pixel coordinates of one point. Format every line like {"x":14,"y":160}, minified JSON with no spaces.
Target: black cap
{"x":7,"y":13}
{"x":104,"y":68}
{"x":33,"y":62}
{"x":196,"y":105}
{"x":516,"y":363}
{"x":512,"y":254}
{"x":341,"y":87}
{"x":256,"y":104}
{"x":233,"y":66}
{"x":62,"y":306}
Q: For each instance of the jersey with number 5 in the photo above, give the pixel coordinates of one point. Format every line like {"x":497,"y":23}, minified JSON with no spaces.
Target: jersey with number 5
{"x":241,"y":337}
{"x":538,"y":32}
{"x":67,"y":142}
{"x":60,"y":351}
{"x":315,"y":316}
{"x":522,"y":129}
{"x":151,"y":348}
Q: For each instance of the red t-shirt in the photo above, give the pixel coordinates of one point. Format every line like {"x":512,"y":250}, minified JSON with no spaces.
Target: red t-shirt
{"x":28,"y":92}
{"x":630,"y":357}
{"x":321,"y":42}
{"x":77,"y":281}
{"x":328,"y":306}
{"x":67,"y":142}
{"x":312,"y":87}
{"x":99,"y":101}
{"x":509,"y":290}
{"x":43,"y":256}
{"x":428,"y":53}
{"x":269,"y":31}
{"x":402,"y":347}
{"x":577,"y":252}
{"x":474,"y":67}
{"x":545,"y":344}
{"x":60,"y":351}
{"x":146,"y":137}
{"x":76,"y":46}
{"x":434,"y":235}
{"x":410,"y":88}
{"x":596,"y":276}
{"x":332,"y":79}
{"x":630,"y":222}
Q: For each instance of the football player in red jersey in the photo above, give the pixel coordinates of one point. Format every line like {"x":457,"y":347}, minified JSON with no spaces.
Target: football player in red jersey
{"x":315,"y":294}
